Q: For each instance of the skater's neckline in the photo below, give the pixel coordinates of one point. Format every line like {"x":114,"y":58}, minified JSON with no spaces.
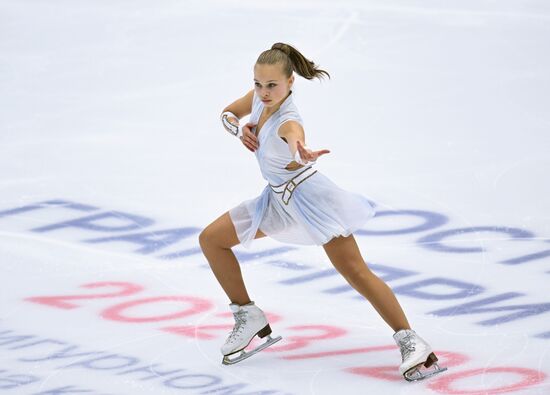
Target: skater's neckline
{"x":285,"y":101}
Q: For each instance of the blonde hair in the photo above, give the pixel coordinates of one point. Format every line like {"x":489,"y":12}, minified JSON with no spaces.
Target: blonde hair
{"x":291,"y":60}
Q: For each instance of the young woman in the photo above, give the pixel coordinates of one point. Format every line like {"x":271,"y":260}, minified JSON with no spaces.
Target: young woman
{"x":300,"y":205}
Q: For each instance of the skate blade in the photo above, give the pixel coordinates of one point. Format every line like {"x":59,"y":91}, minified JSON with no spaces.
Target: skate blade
{"x":247,"y":354}
{"x":416,"y":374}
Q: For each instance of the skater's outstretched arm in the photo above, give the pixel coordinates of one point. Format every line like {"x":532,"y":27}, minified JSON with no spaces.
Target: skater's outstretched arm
{"x":294,"y":135}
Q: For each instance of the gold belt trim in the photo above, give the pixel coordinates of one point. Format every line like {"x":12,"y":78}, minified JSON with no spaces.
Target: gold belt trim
{"x":288,"y":187}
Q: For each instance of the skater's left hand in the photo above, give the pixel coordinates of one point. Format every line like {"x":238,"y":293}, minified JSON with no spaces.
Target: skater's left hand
{"x":308,"y":155}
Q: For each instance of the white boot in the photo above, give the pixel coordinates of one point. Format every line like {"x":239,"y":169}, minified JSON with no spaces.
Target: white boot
{"x":249,"y":322}
{"x":415,"y":353}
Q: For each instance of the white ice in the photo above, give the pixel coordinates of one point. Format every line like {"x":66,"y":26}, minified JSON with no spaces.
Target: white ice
{"x":110,"y":111}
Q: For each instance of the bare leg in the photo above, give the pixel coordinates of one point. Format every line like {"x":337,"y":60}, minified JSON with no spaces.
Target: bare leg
{"x":344,"y":254}
{"x":216,"y":241}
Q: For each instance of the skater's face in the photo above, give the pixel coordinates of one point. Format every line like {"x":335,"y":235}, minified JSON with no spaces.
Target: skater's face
{"x":270,"y":83}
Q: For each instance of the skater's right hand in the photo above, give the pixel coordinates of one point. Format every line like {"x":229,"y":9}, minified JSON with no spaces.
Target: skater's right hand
{"x":249,"y":139}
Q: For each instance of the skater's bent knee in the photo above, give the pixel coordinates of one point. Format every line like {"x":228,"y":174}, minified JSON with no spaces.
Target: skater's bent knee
{"x":208,"y":238}
{"x":213,"y":236}
{"x":204,"y":238}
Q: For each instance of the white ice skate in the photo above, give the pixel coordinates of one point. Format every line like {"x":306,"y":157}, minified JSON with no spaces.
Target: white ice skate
{"x":249,"y":322}
{"x":415,"y":353}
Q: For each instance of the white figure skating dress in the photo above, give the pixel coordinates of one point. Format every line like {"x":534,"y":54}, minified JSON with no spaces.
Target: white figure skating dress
{"x":300,"y":206}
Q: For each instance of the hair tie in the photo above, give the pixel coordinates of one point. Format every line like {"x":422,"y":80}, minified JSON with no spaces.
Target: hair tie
{"x":281,"y":47}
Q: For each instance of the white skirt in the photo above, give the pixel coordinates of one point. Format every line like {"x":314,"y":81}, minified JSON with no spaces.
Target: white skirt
{"x":317,"y":211}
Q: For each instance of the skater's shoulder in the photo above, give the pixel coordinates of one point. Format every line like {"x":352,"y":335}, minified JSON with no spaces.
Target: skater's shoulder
{"x":291,"y":128}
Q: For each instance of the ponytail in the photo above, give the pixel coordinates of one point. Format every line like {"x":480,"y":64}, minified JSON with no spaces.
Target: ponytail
{"x":291,"y":60}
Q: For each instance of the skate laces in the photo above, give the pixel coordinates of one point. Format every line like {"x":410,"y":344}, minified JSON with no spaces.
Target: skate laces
{"x":240,"y":322}
{"x":406,"y":345}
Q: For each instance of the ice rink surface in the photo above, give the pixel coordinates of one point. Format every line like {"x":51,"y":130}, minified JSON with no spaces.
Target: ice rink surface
{"x":113,"y":158}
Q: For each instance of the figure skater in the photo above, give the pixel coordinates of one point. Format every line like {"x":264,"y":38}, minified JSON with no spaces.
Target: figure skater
{"x":299,"y":205}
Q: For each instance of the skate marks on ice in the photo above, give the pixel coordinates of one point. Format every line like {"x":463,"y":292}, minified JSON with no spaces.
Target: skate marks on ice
{"x":302,"y":339}
{"x":307,"y":344}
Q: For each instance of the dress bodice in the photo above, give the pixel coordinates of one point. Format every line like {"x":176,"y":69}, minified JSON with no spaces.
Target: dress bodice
{"x":273,"y":153}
